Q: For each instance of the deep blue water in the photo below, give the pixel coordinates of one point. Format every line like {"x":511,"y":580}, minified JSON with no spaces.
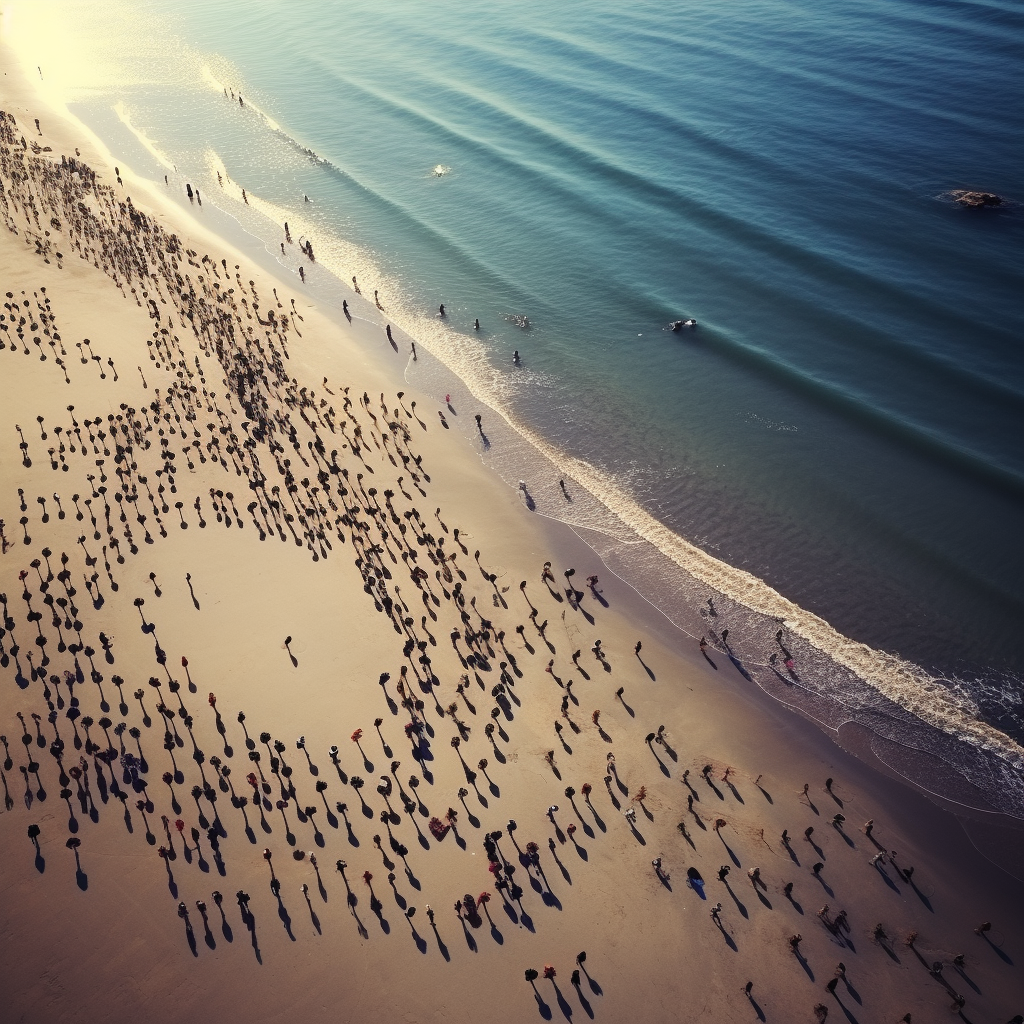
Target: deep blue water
{"x":847,"y":420}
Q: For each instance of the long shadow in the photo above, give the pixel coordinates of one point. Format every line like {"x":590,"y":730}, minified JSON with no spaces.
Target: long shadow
{"x":764,"y":899}
{"x":729,"y":850}
{"x":440,"y":944}
{"x":647,"y":669}
{"x":250,"y":923}
{"x":888,"y":881}
{"x":767,"y":797}
{"x":587,"y":1009}
{"x":282,"y":912}
{"x":636,"y":835}
{"x":314,"y":918}
{"x":190,"y":935}
{"x":855,"y":995}
{"x":739,"y":666}
{"x":757,"y":1008}
{"x":849,"y":1015}
{"x":967,"y":980}
{"x":729,"y":940}
{"x":804,"y":964}
{"x":740,"y":906}
{"x":995,"y":949}
{"x":562,"y":1004}
{"x":921,"y":896}
{"x":542,"y":1008}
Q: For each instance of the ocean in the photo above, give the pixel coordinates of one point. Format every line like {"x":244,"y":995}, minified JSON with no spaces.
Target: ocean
{"x":835,"y":450}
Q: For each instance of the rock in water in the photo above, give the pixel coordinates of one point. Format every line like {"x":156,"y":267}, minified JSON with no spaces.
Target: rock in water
{"x":977,"y":199}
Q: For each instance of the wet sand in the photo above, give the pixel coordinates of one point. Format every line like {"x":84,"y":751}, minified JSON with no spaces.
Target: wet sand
{"x":105,"y":941}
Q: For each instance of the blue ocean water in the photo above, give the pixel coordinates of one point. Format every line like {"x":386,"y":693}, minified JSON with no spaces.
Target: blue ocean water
{"x":846,"y":421}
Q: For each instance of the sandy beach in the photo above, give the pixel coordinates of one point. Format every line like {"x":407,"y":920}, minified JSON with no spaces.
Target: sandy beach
{"x":234,"y":540}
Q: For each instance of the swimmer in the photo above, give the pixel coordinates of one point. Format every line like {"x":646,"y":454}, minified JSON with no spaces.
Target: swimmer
{"x":476,"y":324}
{"x":515,"y":358}
{"x":440,"y":311}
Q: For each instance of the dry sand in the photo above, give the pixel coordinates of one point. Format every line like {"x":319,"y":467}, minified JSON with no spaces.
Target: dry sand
{"x":107,"y":944}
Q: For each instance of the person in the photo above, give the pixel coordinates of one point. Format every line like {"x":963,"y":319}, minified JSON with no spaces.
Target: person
{"x":636,"y":651}
{"x":476,"y":324}
{"x":355,"y":285}
{"x":515,"y":358}
{"x":703,"y":645}
{"x":415,"y":358}
{"x":440,"y":310}
{"x":302,"y":274}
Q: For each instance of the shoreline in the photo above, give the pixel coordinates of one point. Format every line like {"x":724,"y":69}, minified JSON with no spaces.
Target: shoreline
{"x":848,"y":678}
{"x":790,"y":748}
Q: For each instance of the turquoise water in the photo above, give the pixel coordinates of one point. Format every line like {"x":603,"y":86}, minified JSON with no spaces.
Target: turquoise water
{"x":846,"y":421}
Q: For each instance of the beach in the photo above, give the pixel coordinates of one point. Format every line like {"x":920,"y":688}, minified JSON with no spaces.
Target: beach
{"x":265,"y":525}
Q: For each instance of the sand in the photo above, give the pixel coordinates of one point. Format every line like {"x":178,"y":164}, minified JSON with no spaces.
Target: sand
{"x":223,"y":587}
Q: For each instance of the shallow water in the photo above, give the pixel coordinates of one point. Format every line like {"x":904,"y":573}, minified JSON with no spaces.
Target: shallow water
{"x":844,"y":424}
